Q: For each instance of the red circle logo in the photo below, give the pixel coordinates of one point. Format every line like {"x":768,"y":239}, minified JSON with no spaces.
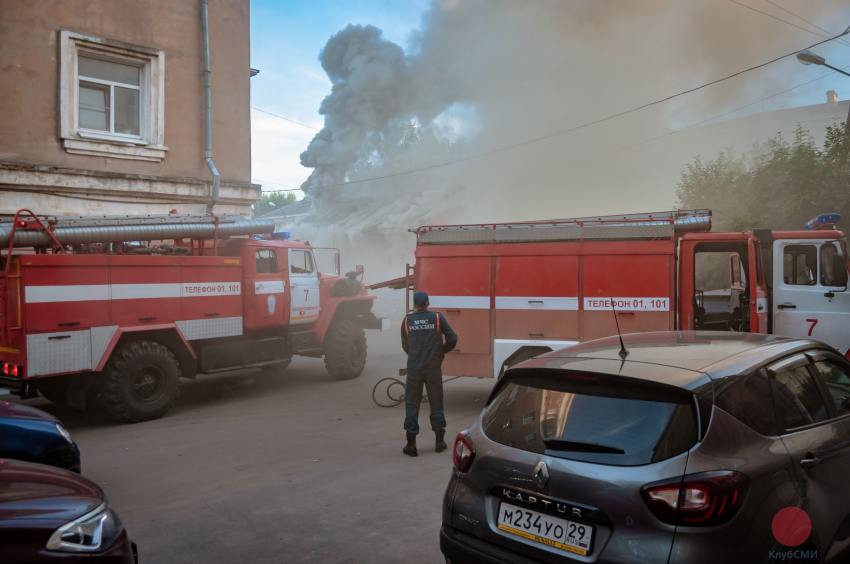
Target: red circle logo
{"x":791,"y":526}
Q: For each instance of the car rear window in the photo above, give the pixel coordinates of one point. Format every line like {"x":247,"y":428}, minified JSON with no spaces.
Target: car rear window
{"x":591,"y":424}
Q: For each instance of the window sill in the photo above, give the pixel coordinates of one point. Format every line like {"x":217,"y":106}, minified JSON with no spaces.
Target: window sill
{"x":115,"y":149}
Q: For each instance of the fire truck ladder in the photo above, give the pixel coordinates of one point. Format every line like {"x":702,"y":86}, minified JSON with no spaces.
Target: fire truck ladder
{"x":656,"y":225}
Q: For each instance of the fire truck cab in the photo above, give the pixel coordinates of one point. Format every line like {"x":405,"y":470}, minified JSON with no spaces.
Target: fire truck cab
{"x":515,"y":290}
{"x":113,"y":311}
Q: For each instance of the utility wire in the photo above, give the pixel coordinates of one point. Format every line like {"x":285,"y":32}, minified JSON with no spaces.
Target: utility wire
{"x":708,"y":120}
{"x":777,"y":18}
{"x":801,"y":18}
{"x":284,"y":118}
{"x":649,"y":140}
{"x":585,"y":124}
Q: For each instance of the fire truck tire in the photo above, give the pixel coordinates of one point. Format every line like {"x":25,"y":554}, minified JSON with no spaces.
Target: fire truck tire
{"x":345,"y":350}
{"x":140,"y":382}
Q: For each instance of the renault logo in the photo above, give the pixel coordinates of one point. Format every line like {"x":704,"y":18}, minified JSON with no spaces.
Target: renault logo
{"x":541,"y":474}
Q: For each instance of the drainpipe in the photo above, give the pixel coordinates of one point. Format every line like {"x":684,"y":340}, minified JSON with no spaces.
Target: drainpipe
{"x":208,"y":158}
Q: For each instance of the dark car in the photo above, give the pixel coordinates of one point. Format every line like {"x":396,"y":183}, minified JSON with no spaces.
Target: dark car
{"x":687,"y":448}
{"x":52,"y":515}
{"x":29,"y":434}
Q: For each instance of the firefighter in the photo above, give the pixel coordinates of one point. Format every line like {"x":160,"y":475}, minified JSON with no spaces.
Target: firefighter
{"x":425,"y":336}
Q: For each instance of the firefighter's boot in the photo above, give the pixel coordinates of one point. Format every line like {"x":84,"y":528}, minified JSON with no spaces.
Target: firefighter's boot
{"x":410,"y":447}
{"x":440,"y":445}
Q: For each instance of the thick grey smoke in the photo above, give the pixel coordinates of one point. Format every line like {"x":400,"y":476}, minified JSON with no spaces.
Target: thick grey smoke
{"x":483,"y":75}
{"x":371,"y":87}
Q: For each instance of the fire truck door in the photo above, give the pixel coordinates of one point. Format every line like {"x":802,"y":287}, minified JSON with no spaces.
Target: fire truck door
{"x":267,"y":291}
{"x":304,"y":280}
{"x":810,"y":294}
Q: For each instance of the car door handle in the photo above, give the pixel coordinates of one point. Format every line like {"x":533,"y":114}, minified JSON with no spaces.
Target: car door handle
{"x":786,"y":306}
{"x":809,"y":461}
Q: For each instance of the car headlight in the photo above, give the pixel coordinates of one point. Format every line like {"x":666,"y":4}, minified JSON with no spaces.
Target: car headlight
{"x":92,"y":532}
{"x":64,"y":432}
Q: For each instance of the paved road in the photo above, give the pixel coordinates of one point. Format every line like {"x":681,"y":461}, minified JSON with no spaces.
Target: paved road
{"x":292,"y":467}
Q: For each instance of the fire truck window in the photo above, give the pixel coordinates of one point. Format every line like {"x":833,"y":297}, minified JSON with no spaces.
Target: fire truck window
{"x":828,"y":251}
{"x":266,"y":261}
{"x":800,"y":265}
{"x":300,"y":262}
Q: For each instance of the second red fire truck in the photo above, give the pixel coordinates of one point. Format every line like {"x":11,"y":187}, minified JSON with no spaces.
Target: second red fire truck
{"x":113,"y":311}
{"x":515,"y":290}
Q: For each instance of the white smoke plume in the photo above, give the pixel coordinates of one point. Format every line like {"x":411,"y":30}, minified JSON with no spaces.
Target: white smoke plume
{"x":480,"y":76}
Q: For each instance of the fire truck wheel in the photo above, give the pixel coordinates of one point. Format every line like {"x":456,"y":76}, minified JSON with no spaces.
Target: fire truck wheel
{"x":140,"y":382}
{"x":345,"y":350}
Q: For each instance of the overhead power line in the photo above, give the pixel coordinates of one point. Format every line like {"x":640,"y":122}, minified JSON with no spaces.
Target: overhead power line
{"x":585,"y":124}
{"x":801,"y":18}
{"x":707,"y":120}
{"x":270,"y":190}
{"x":284,"y":118}
{"x":777,"y":18}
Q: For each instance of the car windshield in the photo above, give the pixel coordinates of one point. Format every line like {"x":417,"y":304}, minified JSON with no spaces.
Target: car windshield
{"x":589,"y":426}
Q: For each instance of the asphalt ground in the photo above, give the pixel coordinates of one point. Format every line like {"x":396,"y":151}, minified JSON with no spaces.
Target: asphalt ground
{"x":278,"y":467}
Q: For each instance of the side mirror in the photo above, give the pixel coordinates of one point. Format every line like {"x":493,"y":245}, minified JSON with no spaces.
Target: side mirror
{"x":839,"y":270}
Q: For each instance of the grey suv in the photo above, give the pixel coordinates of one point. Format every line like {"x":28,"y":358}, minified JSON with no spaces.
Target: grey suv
{"x":687,"y":447}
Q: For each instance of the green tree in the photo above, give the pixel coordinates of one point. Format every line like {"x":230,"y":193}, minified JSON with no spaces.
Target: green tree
{"x":779,"y":185}
{"x":272,"y":201}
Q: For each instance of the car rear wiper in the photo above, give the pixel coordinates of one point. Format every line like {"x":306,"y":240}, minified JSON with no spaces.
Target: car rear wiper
{"x":558,"y":444}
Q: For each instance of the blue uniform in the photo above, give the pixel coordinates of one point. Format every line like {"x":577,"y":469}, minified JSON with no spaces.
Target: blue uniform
{"x":425,"y":336}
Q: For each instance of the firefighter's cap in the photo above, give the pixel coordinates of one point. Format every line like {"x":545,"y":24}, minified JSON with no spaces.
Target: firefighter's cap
{"x":420,"y":299}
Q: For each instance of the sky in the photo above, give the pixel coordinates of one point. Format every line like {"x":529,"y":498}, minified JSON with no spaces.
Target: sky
{"x":287,"y":36}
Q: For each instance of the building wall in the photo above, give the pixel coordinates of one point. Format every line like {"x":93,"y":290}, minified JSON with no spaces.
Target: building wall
{"x":33,"y":160}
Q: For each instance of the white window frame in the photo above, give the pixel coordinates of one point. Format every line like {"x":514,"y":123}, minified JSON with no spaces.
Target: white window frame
{"x":142,"y":89}
{"x":149,"y":145}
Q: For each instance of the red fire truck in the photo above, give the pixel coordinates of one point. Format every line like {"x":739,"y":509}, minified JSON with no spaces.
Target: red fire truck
{"x":114,"y":311}
{"x":515,"y":290}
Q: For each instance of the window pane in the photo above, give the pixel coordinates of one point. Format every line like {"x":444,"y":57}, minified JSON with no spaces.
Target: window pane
{"x":800,"y":265}
{"x":266,"y":261}
{"x":827,"y":265}
{"x":837,"y":382}
{"x":94,"y":106}
{"x":300,"y":262}
{"x":126,"y":111}
{"x":607,"y":429}
{"x":798,"y":399}
{"x":747,"y":399}
{"x":108,"y":70}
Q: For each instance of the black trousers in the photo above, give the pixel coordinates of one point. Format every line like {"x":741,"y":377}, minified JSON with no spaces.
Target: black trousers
{"x":432,"y":379}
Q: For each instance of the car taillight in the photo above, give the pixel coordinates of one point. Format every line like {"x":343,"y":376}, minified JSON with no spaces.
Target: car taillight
{"x":697,"y":500}
{"x":463,"y":452}
{"x":12,"y":370}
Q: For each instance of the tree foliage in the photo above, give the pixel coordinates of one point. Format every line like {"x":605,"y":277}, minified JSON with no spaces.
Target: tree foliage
{"x":272,"y":201}
{"x":779,"y":185}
